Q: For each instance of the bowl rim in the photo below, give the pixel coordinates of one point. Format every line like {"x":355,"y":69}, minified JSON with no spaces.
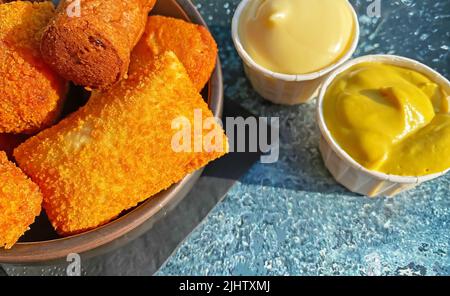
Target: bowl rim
{"x":388,"y":59}
{"x":290,"y":77}
{"x":57,"y":249}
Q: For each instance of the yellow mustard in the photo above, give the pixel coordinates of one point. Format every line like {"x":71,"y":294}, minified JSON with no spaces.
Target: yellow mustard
{"x":296,"y":36}
{"x":390,"y":119}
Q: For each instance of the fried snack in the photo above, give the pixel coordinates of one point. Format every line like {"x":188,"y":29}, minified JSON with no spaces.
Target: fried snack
{"x":7,"y":1}
{"x":20,"y":202}
{"x":31,"y":94}
{"x":116,"y":151}
{"x":91,"y":45}
{"x":193,"y":44}
{"x":8,"y":142}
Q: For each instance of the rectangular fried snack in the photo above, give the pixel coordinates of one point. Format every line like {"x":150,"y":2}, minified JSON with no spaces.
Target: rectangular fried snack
{"x":193,"y":44}
{"x":20,"y":202}
{"x":89,"y":42}
{"x":31,"y":94}
{"x":116,"y":151}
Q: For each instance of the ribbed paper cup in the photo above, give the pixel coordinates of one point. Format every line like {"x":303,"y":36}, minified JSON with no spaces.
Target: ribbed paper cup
{"x":282,"y":88}
{"x":342,"y":166}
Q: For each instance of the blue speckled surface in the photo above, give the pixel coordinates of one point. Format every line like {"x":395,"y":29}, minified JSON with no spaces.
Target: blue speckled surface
{"x":291,"y":217}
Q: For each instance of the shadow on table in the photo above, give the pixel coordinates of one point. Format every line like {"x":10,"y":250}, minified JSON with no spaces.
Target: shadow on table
{"x":300,"y":166}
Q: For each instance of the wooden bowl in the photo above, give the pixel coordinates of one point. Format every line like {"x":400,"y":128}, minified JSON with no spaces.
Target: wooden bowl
{"x":41,"y":245}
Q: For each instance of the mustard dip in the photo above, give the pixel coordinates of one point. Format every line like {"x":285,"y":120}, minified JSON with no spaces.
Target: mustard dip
{"x":390,"y":119}
{"x":296,"y":36}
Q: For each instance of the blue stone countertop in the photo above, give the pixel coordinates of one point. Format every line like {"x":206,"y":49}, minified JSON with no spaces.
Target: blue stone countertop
{"x":291,"y":217}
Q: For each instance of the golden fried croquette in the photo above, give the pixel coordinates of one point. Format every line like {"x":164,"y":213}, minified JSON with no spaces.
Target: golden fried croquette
{"x":91,"y":45}
{"x":20,"y":202}
{"x":8,"y":142}
{"x":7,"y":1}
{"x":116,"y":151}
{"x":193,"y":44}
{"x":31,"y":94}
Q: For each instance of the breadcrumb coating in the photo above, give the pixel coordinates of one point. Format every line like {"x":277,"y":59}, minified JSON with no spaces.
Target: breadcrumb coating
{"x":7,"y":1}
{"x":193,"y":45}
{"x":93,"y":48}
{"x":116,"y":151}
{"x":20,"y":202}
{"x":31,"y":94}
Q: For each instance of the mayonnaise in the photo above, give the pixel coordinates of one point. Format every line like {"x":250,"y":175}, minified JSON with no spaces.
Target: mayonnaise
{"x":296,"y":36}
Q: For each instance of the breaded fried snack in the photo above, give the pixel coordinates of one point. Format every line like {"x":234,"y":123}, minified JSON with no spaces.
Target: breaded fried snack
{"x":193,"y":44}
{"x":91,"y":44}
{"x":20,"y":202}
{"x":7,"y":1}
{"x":31,"y":94}
{"x":117,"y":150}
